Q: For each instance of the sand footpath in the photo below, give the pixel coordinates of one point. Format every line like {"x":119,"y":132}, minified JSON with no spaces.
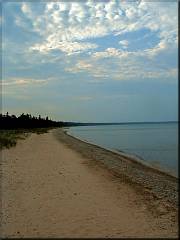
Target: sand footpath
{"x":50,"y":190}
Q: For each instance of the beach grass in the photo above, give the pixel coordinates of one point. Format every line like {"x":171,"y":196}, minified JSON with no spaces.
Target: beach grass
{"x":9,"y":138}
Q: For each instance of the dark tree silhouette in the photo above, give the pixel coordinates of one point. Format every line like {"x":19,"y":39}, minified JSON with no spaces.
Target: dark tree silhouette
{"x":27,"y":121}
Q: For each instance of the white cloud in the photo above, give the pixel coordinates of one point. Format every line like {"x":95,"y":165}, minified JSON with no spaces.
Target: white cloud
{"x":127,"y":68}
{"x":72,"y":22}
{"x":70,"y":28}
{"x":124,"y":43}
{"x":82,"y":65}
{"x":26,"y":9}
{"x":92,"y":68}
{"x":23,"y":82}
{"x":66,"y":47}
{"x":111,"y":52}
{"x":148,"y":53}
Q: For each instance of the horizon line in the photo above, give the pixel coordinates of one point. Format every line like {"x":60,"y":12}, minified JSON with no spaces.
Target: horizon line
{"x":171,"y":121}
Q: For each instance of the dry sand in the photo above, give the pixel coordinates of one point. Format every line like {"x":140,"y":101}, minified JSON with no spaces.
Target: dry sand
{"x":50,"y":190}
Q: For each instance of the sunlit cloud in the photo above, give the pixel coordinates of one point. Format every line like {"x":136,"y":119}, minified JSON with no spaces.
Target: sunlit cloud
{"x":124,"y":43}
{"x":63,"y":54}
{"x":23,"y":82}
{"x":64,"y":25}
{"x":68,"y":33}
{"x":66,"y":47}
{"x":123,"y":70}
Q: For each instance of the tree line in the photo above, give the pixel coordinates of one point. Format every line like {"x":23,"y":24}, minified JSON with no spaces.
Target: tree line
{"x":27,"y":121}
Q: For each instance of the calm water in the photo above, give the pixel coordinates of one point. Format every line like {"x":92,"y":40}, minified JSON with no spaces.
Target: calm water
{"x":155,"y":143}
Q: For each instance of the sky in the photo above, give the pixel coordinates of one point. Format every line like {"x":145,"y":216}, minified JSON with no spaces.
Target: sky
{"x":91,"y":61}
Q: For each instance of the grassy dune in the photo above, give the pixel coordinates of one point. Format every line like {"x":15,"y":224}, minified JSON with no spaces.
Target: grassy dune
{"x":9,"y":138}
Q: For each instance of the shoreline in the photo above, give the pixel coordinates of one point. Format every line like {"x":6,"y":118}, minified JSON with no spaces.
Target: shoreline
{"x":132,"y":157}
{"x":151,"y":181}
{"x":54,"y":185}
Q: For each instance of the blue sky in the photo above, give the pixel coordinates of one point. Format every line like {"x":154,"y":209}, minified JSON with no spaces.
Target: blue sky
{"x":109,"y":61}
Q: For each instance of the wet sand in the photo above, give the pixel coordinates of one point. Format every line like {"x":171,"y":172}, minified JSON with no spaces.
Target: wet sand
{"x":53,"y":185}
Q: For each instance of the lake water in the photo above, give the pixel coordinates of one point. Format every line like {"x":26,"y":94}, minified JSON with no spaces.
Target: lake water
{"x":155,"y":143}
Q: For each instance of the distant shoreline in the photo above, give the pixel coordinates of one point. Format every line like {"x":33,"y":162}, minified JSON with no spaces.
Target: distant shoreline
{"x":75,"y":124}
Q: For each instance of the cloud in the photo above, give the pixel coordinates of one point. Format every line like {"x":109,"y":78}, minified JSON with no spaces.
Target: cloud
{"x":63,"y":25}
{"x":80,"y":66}
{"x":66,"y":47}
{"x":148,"y":53}
{"x":26,"y":9}
{"x":123,"y":68}
{"x":71,"y":39}
{"x":124,"y":43}
{"x":23,"y":82}
{"x":90,"y":67}
{"x":110,"y":52}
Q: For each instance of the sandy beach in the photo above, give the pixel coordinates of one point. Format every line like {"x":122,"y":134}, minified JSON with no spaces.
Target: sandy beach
{"x":53,"y":185}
